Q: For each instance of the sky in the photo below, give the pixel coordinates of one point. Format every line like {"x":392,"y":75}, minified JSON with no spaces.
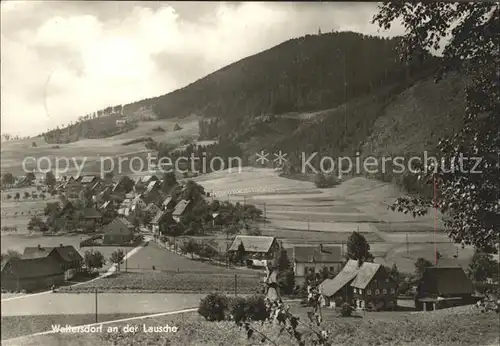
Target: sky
{"x":62,"y":60}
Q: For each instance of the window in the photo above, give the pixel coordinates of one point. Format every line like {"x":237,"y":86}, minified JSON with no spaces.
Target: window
{"x":377,"y":291}
{"x":384,"y":291}
{"x":360,"y":291}
{"x":354,"y":290}
{"x":332,"y":269}
{"x":369,"y":292}
{"x":393,"y":290}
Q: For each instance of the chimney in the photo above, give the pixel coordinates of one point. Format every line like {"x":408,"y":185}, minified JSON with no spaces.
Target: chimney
{"x":39,"y":247}
{"x":321,"y":247}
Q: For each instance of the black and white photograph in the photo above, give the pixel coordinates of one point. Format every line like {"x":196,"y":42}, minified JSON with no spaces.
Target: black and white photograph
{"x":250,"y":173}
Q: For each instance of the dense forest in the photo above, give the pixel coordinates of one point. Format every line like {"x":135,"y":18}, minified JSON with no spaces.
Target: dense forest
{"x":310,"y":73}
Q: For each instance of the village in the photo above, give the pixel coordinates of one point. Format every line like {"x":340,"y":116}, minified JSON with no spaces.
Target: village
{"x":129,"y":214}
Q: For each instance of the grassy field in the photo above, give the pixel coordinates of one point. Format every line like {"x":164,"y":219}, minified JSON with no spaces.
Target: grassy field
{"x":462,"y":326}
{"x":92,"y":150}
{"x":162,"y":281}
{"x":298,"y":213}
{"x":173,"y":273}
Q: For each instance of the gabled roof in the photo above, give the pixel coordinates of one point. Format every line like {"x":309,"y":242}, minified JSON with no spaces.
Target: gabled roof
{"x":67,"y":252}
{"x":167,"y":201}
{"x":365,"y":274}
{"x":252,"y":243}
{"x":32,"y":267}
{"x":105,"y":204}
{"x":158,"y":217}
{"x":180,"y":207}
{"x":96,"y":185}
{"x":331,"y":286}
{"x":315,"y":254}
{"x":119,"y":226}
{"x":446,"y":281}
{"x":86,"y":179}
{"x":151,"y":185}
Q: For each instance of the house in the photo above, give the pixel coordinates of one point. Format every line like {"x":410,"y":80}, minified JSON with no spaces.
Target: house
{"x":121,"y":122}
{"x":337,"y":290}
{"x":92,"y":216}
{"x":31,"y":274}
{"x":443,"y":287}
{"x":72,"y":187}
{"x":368,"y":286}
{"x":374,"y":289}
{"x":88,"y":180}
{"x":180,"y":209}
{"x":160,"y":222}
{"x":141,"y":183}
{"x":118,"y":232}
{"x":256,"y":247}
{"x":67,"y":256}
{"x":152,"y":193}
{"x":168,"y":204}
{"x":152,"y":209}
{"x":312,"y":259}
{"x":138,"y":203}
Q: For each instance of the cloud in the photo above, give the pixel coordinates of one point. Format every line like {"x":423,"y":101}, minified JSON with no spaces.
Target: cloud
{"x":61,"y":60}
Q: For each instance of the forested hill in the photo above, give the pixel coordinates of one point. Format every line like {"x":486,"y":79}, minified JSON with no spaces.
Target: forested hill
{"x":310,"y":73}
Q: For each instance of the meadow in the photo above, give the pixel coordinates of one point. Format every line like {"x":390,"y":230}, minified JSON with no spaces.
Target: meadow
{"x":458,"y":327}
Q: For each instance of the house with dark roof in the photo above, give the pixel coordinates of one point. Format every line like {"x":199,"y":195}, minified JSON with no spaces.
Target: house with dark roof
{"x":443,"y":287}
{"x":368,"y":286}
{"x":67,"y":256}
{"x":256,"y":247}
{"x":308,"y":260}
{"x":160,"y":222}
{"x":152,"y":192}
{"x":119,"y":232}
{"x":31,"y":274}
{"x":72,"y":187}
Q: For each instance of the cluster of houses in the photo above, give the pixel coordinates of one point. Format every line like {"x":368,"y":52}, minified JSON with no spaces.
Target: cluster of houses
{"x":40,"y":267}
{"x":367,"y":286}
{"x":145,"y":200}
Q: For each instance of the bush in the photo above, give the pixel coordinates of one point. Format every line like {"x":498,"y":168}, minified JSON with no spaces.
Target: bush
{"x":213,"y":307}
{"x":325,"y":181}
{"x":346,"y":310}
{"x":257,"y":309}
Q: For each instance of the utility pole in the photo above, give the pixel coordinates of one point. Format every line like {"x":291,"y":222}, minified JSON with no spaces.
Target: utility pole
{"x":308,"y":225}
{"x":235,"y":285}
{"x":96,"y":306}
{"x":265,"y":211}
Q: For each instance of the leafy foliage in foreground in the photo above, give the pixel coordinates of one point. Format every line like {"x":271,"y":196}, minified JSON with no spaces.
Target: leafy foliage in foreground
{"x":468,"y":190}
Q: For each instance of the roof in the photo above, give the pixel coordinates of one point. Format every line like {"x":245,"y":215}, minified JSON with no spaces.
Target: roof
{"x":365,"y":274}
{"x":32,"y":267}
{"x":167,"y":201}
{"x":315,"y":254}
{"x":105,"y":204}
{"x":151,"y":207}
{"x":180,"y":207}
{"x":158,"y":217}
{"x":119,"y":226}
{"x":87,"y":179}
{"x":446,"y":281}
{"x":91,"y":213}
{"x":151,"y":185}
{"x":252,"y":243}
{"x":331,"y":286}
{"x":67,"y":252}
